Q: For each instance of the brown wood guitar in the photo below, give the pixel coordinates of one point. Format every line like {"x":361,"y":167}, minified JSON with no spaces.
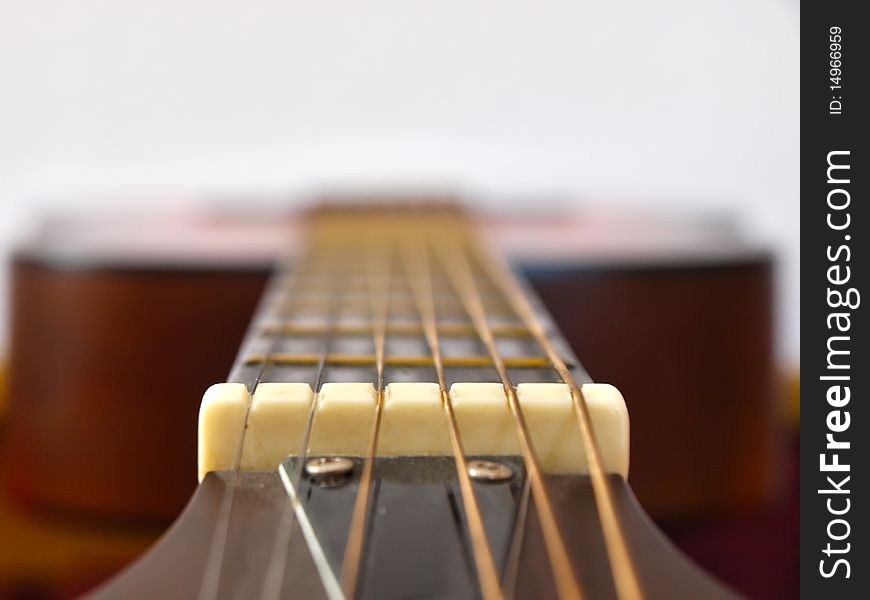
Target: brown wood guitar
{"x":678,"y":320}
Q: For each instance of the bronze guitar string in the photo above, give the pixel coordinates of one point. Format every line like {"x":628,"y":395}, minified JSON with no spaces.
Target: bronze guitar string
{"x":211,"y":578}
{"x":378,"y":268}
{"x":459,"y":269}
{"x":419,"y":278}
{"x":274,"y":577}
{"x":623,"y":570}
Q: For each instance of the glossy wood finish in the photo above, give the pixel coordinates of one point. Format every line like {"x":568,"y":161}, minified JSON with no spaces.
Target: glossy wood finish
{"x":691,"y":349}
{"x":107,"y":369}
{"x":174,"y":567}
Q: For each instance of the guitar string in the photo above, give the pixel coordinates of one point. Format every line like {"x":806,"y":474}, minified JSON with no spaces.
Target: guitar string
{"x":511,"y":569}
{"x":462,"y":277}
{"x":623,"y":569}
{"x":273,"y":579}
{"x":378,"y":271}
{"x":512,"y":566}
{"x":418,"y":276}
{"x":210,"y":583}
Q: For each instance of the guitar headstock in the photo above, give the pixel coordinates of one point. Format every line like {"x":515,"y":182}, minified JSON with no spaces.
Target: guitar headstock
{"x":420,"y":549}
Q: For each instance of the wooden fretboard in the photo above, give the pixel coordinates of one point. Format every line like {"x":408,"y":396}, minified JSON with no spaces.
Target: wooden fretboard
{"x":315,"y":322}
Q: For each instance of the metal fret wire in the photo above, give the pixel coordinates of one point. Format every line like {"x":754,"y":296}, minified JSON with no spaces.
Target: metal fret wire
{"x":393,"y":329}
{"x":623,"y":570}
{"x":274,"y":578}
{"x":401,"y":306}
{"x":419,"y":279}
{"x":460,"y":272}
{"x":360,"y":360}
{"x":378,"y":268}
{"x":210,"y":584}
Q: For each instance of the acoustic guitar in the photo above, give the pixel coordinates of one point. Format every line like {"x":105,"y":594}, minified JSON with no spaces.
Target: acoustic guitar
{"x":676,"y":313}
{"x":404,"y":420}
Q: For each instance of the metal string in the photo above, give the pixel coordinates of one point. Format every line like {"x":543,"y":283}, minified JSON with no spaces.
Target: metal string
{"x":419,"y":280}
{"x":513,"y":561}
{"x":274,"y":577}
{"x":460,"y":273}
{"x":623,"y":570}
{"x":378,"y":269}
{"x":210,"y":584}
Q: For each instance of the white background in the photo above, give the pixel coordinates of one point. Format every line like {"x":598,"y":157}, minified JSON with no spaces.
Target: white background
{"x":670,"y":104}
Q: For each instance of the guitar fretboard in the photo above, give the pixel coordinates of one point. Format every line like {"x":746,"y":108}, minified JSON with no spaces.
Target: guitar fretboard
{"x":315,"y":323}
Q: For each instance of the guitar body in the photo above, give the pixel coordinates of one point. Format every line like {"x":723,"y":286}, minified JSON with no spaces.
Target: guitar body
{"x":114,"y":342}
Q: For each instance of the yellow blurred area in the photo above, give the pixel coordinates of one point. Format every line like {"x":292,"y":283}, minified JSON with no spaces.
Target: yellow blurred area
{"x":52,"y":558}
{"x":48,"y":557}
{"x":794,"y":398}
{"x":4,"y":390}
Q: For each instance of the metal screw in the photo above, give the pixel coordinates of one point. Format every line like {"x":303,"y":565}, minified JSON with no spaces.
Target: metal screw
{"x":487,"y":470}
{"x":328,"y":467}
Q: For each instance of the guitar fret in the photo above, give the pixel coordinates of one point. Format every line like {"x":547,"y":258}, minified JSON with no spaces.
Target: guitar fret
{"x":401,"y":329}
{"x":365,"y":360}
